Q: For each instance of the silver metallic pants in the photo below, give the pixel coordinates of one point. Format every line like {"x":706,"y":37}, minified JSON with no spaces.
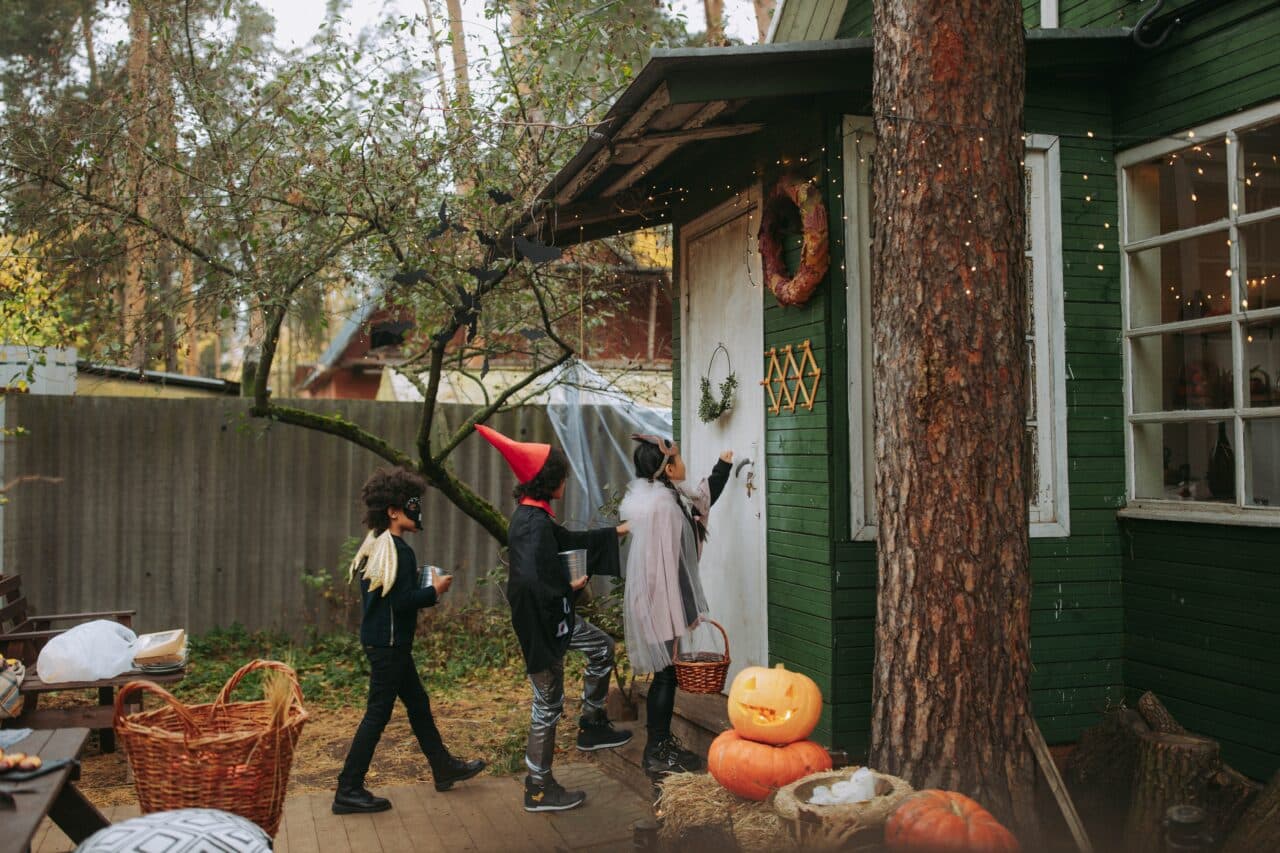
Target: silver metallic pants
{"x":548,"y":695}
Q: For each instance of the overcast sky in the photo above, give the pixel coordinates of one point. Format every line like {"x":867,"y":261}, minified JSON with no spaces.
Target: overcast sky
{"x":296,"y":20}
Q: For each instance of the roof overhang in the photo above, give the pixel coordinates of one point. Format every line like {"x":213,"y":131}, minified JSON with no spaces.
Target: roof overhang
{"x":693,"y":98}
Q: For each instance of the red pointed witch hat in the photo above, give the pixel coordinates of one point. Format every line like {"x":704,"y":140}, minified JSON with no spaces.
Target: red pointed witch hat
{"x":525,"y":458}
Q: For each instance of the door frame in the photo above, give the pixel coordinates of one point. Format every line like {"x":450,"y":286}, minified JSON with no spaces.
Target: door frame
{"x":746,"y":201}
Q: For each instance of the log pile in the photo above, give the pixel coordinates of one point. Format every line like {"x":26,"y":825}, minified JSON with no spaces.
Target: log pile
{"x":1129,"y":770}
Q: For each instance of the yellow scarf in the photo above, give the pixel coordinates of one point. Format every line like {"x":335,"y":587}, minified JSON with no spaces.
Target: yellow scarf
{"x":377,"y":557}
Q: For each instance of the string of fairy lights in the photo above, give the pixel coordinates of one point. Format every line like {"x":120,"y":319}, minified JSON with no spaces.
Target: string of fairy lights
{"x":680,"y":194}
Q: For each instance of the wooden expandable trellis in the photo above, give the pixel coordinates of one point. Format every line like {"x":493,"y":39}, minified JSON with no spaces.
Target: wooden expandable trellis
{"x":788,"y":381}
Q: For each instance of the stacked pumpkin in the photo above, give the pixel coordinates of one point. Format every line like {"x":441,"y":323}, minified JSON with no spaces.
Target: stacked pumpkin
{"x":772,"y":711}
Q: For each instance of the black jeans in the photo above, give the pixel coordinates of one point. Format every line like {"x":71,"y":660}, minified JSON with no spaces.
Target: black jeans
{"x":392,"y":673}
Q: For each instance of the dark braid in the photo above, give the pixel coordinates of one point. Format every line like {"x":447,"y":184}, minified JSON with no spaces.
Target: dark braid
{"x":651,"y":464}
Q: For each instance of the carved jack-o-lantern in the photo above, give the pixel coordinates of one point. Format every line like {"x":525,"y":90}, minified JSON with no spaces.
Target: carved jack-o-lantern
{"x":774,"y":705}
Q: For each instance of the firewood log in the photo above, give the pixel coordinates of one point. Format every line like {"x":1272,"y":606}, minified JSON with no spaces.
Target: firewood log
{"x":1171,"y":769}
{"x":1259,"y":827}
{"x":1099,"y":774}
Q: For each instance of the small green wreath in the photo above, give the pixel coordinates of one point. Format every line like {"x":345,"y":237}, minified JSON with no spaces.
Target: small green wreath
{"x":709,"y":408}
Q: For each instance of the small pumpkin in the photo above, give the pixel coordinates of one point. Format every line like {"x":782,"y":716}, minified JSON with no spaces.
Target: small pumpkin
{"x":774,"y":705}
{"x":755,"y":770}
{"x":936,"y":821}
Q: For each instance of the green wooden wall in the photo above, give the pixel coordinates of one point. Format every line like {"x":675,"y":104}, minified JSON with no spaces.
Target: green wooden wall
{"x":1103,"y":13}
{"x":1202,"y":613}
{"x":856,"y":21}
{"x":1216,"y":64}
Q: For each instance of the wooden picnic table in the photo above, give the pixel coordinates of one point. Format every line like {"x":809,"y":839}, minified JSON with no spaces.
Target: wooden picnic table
{"x":100,"y":717}
{"x":52,"y":794}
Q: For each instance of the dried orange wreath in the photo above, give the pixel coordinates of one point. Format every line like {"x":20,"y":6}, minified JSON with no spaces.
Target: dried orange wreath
{"x":815,"y":255}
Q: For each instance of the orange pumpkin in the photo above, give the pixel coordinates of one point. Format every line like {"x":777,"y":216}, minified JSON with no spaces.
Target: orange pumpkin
{"x":946,"y":822}
{"x":755,"y":770}
{"x":774,"y":705}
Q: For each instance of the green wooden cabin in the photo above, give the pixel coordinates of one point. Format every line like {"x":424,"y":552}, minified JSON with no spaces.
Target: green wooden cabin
{"x":1154,"y":220}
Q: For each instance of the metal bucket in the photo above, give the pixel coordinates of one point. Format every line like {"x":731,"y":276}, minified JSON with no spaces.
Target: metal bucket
{"x":575,"y":562}
{"x":427,"y":575}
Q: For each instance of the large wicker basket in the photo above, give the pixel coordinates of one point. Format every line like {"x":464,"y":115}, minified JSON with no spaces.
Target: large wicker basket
{"x":222,"y":755}
{"x":701,"y":672}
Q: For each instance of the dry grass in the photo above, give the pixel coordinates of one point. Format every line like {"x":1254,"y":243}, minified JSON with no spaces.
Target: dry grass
{"x":697,"y":811}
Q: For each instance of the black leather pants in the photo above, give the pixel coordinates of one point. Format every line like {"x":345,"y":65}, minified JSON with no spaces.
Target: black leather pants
{"x":661,"y":704}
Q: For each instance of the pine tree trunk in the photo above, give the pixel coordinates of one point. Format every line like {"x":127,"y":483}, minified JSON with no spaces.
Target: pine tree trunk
{"x":1259,"y":827}
{"x":1171,"y":770}
{"x":764,"y":16}
{"x":715,"y":21}
{"x":951,"y":687}
{"x":434,"y":36}
{"x":461,"y":73}
{"x":134,"y":306}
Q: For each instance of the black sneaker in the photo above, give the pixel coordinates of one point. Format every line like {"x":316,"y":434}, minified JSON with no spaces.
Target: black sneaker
{"x":550,"y":797}
{"x":668,"y":755}
{"x":455,"y":770}
{"x":600,"y":734}
{"x":358,"y":801}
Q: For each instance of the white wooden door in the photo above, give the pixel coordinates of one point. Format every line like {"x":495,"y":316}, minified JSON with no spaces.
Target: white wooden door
{"x":722,"y":304}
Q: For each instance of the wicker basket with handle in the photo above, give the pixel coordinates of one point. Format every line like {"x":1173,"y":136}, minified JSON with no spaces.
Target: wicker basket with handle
{"x":224,"y":755}
{"x":701,"y":672}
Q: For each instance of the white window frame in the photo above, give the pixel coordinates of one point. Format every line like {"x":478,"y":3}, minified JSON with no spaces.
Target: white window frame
{"x":1048,"y":14}
{"x":1050,"y":517}
{"x":1197,"y":511}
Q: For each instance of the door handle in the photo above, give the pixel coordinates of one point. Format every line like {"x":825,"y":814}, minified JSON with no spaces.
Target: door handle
{"x":738,"y":469}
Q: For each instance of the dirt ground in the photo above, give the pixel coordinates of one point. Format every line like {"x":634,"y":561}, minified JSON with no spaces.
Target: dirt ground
{"x":490,"y":722}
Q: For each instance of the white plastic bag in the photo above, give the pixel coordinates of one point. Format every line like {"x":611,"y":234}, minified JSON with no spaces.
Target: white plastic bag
{"x":87,"y":652}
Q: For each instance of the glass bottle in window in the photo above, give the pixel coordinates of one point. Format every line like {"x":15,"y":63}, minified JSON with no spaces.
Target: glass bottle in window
{"x":1222,"y":467}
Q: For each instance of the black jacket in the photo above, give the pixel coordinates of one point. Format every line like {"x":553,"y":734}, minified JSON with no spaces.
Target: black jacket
{"x":390,"y":620}
{"x":538,"y":590}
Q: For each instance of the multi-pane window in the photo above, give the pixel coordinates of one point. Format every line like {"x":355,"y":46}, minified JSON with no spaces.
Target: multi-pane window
{"x":1201,"y":220}
{"x":1046,"y":449}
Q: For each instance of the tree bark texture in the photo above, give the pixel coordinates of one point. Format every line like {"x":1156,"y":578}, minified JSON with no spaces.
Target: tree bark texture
{"x":461,"y":71}
{"x":1258,"y":829}
{"x":951,"y":687}
{"x":1100,"y":774}
{"x":764,"y":16}
{"x":1171,"y":770}
{"x":715,"y":21}
{"x":1157,"y":715}
{"x":1227,"y":792}
{"x":137,"y":67}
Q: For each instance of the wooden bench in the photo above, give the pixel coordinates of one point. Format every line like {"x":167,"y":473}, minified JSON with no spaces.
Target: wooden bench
{"x":23,"y":635}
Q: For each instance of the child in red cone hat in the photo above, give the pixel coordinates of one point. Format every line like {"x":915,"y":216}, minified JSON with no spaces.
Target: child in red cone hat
{"x":542,"y":596}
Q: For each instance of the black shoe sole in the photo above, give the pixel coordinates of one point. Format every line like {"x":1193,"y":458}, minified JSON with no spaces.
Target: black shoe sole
{"x":563,"y":808}
{"x":470,"y":774}
{"x":613,"y":745}
{"x":337,"y":809}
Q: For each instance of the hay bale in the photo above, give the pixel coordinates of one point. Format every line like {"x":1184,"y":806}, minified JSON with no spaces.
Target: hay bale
{"x":695,"y":808}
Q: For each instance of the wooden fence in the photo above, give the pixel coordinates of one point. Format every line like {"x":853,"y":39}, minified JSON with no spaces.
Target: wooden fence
{"x":199,"y":516}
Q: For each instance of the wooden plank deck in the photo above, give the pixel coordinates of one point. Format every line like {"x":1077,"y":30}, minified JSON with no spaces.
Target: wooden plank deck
{"x":484,"y":814}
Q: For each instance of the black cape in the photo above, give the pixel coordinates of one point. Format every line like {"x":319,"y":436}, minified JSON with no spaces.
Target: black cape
{"x":538,"y":590}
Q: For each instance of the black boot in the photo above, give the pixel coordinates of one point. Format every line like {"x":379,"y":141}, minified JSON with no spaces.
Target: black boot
{"x":550,"y":796}
{"x":596,"y":732}
{"x":451,"y":770}
{"x":666,"y":754}
{"x":357,"y":800}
